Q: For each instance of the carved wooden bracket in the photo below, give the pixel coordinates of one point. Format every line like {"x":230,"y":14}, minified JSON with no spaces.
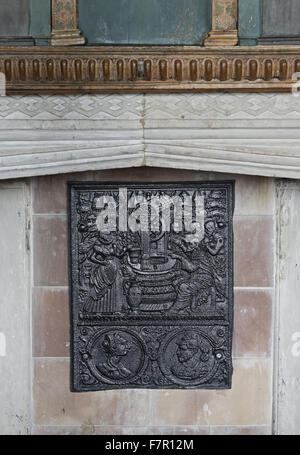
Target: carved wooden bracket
{"x":64,"y":24}
{"x":148,"y":69}
{"x":224,"y":24}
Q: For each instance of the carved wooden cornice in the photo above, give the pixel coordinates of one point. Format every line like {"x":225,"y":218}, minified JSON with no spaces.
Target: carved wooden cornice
{"x":148,"y":69}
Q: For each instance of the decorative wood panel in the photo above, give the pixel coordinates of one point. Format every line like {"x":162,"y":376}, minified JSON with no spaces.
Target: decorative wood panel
{"x":249,"y":22}
{"x":15,"y":23}
{"x":249,"y":133}
{"x":281,"y":22}
{"x":144,"y":22}
{"x":40,"y":21}
{"x":144,"y":69}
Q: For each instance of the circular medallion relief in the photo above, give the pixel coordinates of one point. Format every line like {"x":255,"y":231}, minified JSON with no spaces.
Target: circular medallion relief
{"x":187,"y":358}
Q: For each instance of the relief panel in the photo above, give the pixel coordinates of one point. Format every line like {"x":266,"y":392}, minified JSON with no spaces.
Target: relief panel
{"x":151,"y":279}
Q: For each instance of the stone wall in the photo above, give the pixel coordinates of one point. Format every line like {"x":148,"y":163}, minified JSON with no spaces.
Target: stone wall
{"x":246,"y":134}
{"x":246,"y":409}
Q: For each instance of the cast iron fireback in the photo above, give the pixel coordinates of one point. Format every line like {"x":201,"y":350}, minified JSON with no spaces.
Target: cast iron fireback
{"x":151,"y":285}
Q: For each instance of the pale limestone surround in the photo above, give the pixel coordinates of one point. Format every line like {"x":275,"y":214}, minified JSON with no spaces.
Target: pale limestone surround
{"x":287,"y":366}
{"x":246,"y":408}
{"x":255,"y":134}
{"x":218,"y":136}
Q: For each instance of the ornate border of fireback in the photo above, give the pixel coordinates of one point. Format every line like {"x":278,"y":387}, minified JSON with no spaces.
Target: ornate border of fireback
{"x":39,"y":70}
